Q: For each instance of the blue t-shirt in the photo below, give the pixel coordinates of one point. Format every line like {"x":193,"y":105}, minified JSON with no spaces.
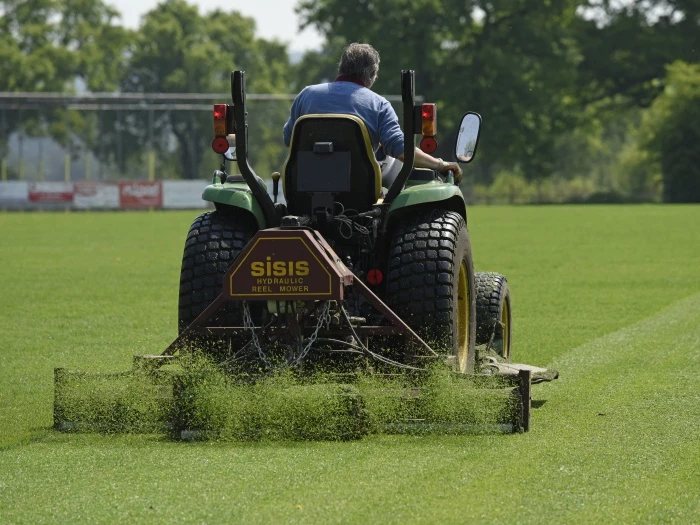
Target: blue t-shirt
{"x":352,"y":99}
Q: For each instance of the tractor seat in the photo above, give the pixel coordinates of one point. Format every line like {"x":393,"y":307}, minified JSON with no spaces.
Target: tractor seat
{"x":330,"y":161}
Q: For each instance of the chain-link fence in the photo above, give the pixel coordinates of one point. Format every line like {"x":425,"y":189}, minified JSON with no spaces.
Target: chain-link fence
{"x":165,"y":136}
{"x":129,"y":136}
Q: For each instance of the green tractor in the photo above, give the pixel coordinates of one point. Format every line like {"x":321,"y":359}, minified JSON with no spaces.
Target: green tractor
{"x":368,"y":281}
{"x":351,"y":263}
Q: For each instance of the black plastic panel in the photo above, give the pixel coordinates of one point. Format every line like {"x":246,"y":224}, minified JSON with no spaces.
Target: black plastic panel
{"x":327,"y":172}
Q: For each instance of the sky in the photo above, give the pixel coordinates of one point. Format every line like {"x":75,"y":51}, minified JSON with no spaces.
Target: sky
{"x":274,"y":18}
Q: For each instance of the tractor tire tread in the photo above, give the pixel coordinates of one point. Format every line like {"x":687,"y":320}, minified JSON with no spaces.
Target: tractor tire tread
{"x":491,"y":289}
{"x":420,"y":273}
{"x":213,"y":242}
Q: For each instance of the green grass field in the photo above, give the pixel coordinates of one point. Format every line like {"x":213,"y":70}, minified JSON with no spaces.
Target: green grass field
{"x":608,"y":295}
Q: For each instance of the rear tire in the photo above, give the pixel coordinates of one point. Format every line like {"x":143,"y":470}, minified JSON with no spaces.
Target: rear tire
{"x":215,"y":239}
{"x":430,"y":283}
{"x":493,"y":312}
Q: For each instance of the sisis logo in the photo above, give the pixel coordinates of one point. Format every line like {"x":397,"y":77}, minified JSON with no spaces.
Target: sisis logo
{"x":270,"y":268}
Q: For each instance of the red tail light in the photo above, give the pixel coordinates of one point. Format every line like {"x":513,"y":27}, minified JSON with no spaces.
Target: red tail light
{"x":429,"y":124}
{"x":219,"y":120}
{"x":219,"y":111}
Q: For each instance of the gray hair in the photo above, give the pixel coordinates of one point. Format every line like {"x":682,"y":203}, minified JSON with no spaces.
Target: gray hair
{"x":360,"y":60}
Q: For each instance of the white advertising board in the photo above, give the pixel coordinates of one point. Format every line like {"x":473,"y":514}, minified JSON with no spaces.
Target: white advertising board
{"x":14,"y":194}
{"x":184,"y":194}
{"x":96,"y":195}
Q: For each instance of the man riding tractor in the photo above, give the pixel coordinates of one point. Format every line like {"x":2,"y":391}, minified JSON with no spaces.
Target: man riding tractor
{"x":402,"y":254}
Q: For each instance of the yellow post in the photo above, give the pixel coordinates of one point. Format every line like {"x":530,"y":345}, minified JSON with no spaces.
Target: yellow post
{"x":87,"y":167}
{"x":151,"y":165}
{"x":66,"y":167}
{"x":3,"y":169}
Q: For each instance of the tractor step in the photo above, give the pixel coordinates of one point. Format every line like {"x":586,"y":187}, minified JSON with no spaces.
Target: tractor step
{"x":539,"y":374}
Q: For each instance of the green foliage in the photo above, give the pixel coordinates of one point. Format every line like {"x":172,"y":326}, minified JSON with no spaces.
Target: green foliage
{"x":512,"y":186}
{"x":542,"y":74}
{"x":559,"y":84}
{"x":672,"y":133}
{"x":513,"y":62}
{"x":45,"y":45}
{"x":180,"y":50}
{"x":318,"y":66}
{"x":627,"y":45}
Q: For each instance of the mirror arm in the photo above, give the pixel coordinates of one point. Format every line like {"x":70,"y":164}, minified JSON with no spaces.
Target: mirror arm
{"x":409,"y":134}
{"x":240,"y":116}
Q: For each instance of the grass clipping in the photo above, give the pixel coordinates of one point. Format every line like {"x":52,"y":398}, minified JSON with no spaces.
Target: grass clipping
{"x":200,"y":401}
{"x":441,"y":402}
{"x":130,"y":402}
{"x":211,"y":405}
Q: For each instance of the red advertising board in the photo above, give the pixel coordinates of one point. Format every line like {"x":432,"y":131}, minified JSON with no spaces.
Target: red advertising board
{"x":51,"y":192}
{"x":140,"y":194}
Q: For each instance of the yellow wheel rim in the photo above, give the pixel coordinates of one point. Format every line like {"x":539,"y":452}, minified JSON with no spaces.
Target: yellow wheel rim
{"x":505,"y":323}
{"x":463,"y":312}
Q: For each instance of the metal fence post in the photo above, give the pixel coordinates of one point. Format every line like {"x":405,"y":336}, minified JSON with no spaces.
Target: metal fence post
{"x":151,"y":154}
{"x":20,"y":140}
{"x":40,"y":168}
{"x":5,"y":149}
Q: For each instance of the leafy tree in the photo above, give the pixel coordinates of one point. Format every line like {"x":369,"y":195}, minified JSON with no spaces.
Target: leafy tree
{"x":556,"y":82}
{"x":627,"y":45}
{"x":318,"y":66}
{"x":511,"y":60}
{"x":45,"y":45}
{"x":179,"y":50}
{"x":672,"y":133}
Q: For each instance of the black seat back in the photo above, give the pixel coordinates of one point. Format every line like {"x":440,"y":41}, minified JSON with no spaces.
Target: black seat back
{"x":330,"y":157}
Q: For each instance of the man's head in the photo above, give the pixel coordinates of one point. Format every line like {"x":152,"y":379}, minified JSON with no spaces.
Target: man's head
{"x":360,"y":61}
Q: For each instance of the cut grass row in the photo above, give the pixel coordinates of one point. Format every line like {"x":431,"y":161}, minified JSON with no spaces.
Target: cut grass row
{"x":609,"y":295}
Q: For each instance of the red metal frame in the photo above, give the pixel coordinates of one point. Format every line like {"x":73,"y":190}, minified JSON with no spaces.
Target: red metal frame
{"x":341,"y":276}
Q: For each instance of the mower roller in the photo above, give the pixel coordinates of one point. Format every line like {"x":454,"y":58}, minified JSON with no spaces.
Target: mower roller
{"x":359,"y":290}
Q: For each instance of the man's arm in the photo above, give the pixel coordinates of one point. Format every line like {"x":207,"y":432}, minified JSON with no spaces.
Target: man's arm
{"x":423,"y":160}
{"x":391,"y":137}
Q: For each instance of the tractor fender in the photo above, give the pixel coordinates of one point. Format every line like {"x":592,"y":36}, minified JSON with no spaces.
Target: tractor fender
{"x":426,"y":196}
{"x":235,"y":195}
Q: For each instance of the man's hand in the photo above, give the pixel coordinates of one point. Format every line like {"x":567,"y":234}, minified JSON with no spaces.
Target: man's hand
{"x":423,"y":160}
{"x":447,"y":166}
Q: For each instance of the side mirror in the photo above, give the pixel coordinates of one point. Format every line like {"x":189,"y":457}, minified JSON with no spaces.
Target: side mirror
{"x":468,"y":137}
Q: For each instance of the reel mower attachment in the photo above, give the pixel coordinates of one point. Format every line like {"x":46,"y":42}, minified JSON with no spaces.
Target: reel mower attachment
{"x":289,"y":304}
{"x":299,"y":275}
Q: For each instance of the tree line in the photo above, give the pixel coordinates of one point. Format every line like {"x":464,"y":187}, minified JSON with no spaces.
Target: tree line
{"x":598,"y":94}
